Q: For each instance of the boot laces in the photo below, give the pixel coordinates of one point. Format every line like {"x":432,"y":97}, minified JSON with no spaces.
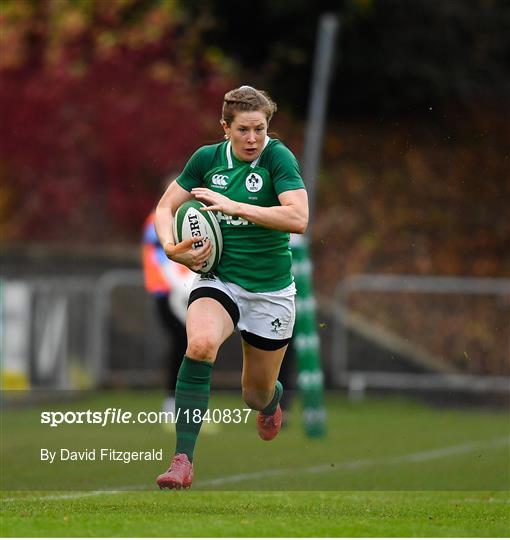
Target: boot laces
{"x":269,"y":421}
{"x":179,"y":463}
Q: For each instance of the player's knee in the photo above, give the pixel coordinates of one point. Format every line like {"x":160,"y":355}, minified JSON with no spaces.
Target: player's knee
{"x":256,"y":398}
{"x":202,"y":348}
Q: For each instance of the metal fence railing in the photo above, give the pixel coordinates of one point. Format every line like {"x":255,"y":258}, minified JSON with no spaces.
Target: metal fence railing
{"x":84,"y":332}
{"x":79,"y":332}
{"x":454,"y":333}
{"x":448,"y":333}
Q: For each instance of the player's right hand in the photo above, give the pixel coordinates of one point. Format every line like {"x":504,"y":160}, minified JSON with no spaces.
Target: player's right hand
{"x":184,"y":253}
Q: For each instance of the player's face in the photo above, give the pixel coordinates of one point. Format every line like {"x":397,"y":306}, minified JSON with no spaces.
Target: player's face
{"x":247,"y":133}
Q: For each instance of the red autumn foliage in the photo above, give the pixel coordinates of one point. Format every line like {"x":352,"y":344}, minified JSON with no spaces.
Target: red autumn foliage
{"x":90,"y":138}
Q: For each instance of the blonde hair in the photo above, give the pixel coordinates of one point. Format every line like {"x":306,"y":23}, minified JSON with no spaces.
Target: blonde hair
{"x":247,"y":99}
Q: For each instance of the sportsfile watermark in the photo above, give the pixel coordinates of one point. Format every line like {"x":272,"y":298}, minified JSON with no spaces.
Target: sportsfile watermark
{"x":112,"y":415}
{"x":122,"y":440}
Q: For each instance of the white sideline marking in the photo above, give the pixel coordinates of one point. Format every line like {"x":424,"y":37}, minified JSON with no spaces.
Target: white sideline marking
{"x":478,"y":501}
{"x":76,"y":495}
{"x":357,"y":464}
{"x":416,"y":457}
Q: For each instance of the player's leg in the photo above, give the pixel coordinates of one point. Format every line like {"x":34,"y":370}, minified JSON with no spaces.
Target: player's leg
{"x":208,"y":325}
{"x":260,"y":373}
{"x":287,"y":377}
{"x":261,"y":389}
{"x":266,"y":323}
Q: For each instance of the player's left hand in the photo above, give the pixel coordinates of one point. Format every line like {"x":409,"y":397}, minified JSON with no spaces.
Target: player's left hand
{"x":216,"y":201}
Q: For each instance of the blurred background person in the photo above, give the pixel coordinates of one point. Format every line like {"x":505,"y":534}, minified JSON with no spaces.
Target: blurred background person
{"x":168,"y":282}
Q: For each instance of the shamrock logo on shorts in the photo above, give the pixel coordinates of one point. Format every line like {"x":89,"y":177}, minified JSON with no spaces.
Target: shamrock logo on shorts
{"x":276,"y":325}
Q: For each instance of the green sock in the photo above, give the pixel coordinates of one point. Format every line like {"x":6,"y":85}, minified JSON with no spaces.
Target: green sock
{"x":191,"y":393}
{"x":278,"y":393}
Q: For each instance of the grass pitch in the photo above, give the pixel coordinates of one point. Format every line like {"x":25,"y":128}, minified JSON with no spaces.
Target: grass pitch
{"x":388,"y":467}
{"x":259,"y":514}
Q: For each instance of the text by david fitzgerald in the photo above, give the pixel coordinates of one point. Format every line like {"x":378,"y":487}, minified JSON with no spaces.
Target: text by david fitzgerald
{"x":101,"y":454}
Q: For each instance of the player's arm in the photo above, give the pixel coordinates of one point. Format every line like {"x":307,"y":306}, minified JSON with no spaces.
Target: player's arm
{"x":291,"y":216}
{"x":174,"y":196}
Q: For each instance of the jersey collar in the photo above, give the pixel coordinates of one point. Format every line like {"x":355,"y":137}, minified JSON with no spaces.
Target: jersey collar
{"x":253,"y":164}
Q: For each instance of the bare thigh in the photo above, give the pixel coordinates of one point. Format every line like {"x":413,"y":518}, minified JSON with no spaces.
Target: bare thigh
{"x":208,"y":325}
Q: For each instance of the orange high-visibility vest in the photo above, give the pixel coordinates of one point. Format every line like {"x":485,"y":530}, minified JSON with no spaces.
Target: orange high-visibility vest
{"x":154,"y":259}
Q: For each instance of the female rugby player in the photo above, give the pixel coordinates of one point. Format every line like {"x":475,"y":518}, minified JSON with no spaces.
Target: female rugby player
{"x":253,"y":184}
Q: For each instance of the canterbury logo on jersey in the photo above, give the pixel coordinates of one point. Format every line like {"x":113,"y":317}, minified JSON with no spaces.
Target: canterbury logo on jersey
{"x":219,"y":180}
{"x":232,"y":220}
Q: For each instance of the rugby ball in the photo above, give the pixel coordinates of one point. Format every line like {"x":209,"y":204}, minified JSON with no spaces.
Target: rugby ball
{"x":190,"y":221}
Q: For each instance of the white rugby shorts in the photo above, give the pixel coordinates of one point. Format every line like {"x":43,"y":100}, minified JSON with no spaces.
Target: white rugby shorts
{"x":270,"y":315}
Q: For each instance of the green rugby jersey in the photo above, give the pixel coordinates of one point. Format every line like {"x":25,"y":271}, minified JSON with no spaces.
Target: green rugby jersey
{"x":254,"y":257}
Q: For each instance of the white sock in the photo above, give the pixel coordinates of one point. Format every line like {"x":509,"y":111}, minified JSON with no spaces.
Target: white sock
{"x":168,"y":404}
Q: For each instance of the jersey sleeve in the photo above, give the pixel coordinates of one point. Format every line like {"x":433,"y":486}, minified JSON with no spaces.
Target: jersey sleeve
{"x":285,"y":170}
{"x":195,"y":169}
